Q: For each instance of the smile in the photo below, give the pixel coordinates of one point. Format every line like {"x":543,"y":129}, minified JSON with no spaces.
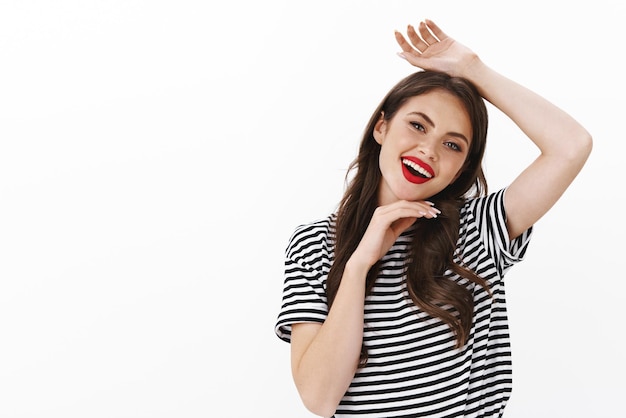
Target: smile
{"x":416,"y":171}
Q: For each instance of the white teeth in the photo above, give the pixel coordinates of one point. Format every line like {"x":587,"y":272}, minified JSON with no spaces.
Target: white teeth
{"x":416,"y":167}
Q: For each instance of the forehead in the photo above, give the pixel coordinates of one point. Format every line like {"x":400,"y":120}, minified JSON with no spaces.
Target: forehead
{"x":442,"y":107}
{"x":438,"y":100}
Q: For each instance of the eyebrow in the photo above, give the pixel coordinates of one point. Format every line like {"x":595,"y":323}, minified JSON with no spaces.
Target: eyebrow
{"x":431,"y":123}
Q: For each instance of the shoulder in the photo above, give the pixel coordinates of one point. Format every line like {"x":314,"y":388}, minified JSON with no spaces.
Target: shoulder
{"x":487,"y":206}
{"x":311,"y":240}
{"x":483,"y":224}
{"x":484,"y":217}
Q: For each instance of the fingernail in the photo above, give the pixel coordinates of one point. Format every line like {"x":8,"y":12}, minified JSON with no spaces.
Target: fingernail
{"x":401,"y":55}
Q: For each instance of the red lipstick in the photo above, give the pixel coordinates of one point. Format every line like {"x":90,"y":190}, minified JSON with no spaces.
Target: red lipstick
{"x":416,"y":171}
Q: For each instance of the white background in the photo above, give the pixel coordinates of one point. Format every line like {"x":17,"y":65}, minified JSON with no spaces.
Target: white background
{"x":155,"y":156}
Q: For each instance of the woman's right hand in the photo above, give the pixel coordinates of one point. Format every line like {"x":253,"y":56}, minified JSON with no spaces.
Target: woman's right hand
{"x":430,"y":48}
{"x":386,"y":225}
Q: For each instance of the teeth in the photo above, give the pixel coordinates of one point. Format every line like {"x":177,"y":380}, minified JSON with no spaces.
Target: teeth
{"x":417,"y":168}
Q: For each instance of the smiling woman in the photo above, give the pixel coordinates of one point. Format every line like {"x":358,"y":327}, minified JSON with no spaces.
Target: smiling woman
{"x":394,"y":305}
{"x":431,"y":155}
{"x":156,"y":156}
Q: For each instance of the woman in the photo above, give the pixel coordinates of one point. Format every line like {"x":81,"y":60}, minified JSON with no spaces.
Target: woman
{"x":394,"y":305}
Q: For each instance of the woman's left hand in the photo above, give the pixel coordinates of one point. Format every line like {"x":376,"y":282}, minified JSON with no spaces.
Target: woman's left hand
{"x":432,"y":49}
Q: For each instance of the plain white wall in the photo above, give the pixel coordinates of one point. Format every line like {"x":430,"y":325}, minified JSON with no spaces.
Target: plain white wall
{"x":155,"y":156}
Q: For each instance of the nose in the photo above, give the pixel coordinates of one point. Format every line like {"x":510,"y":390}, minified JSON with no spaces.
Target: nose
{"x":427,"y":149}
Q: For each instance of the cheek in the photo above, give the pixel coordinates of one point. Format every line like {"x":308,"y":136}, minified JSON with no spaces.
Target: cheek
{"x":465,"y":166}
{"x":387,"y":152}
{"x":458,"y":169}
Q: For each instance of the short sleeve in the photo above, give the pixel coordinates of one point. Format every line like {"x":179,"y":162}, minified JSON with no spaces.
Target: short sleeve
{"x":490,"y":215}
{"x":307,"y":261}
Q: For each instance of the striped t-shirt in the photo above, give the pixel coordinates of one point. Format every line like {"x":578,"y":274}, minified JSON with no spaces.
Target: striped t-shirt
{"x":413,"y":367}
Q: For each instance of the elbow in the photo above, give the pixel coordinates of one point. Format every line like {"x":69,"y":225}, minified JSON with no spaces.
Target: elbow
{"x":321,"y":411}
{"x":585,"y":147}
{"x":588,"y":144}
{"x":319,"y":404}
{"x":585,"y":143}
{"x":579,"y":148}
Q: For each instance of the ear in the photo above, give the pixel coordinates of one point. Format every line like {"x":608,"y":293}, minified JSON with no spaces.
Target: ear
{"x":380,"y":128}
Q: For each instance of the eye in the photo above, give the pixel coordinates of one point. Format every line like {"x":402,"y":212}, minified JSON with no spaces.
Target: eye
{"x":418,"y":126}
{"x":452,"y":145}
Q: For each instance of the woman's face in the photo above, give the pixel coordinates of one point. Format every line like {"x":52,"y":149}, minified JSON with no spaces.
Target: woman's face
{"x":423,"y":147}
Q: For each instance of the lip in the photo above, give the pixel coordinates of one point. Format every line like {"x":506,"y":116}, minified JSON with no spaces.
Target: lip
{"x":412,"y":177}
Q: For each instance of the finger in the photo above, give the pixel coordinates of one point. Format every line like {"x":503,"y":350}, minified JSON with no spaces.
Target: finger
{"x":402,"y":225}
{"x":426,"y":35}
{"x":436,"y":30}
{"x":414,"y":58}
{"x":403,"y":209}
{"x":417,"y":42}
{"x":404,"y":44}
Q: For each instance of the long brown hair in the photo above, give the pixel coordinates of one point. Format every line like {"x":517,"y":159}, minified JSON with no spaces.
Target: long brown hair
{"x":434,"y":242}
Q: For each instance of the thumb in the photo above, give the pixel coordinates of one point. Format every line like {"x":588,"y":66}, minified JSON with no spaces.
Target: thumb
{"x":413,"y":59}
{"x":402,"y":225}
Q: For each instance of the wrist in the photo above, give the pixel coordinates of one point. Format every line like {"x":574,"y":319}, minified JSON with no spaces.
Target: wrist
{"x":356,"y":268}
{"x":473,"y":68}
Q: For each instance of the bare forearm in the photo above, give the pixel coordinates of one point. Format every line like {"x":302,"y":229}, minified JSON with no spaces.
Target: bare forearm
{"x":326,"y":368}
{"x":548,"y":126}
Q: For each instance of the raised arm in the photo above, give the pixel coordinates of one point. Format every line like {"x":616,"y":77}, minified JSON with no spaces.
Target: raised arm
{"x":563,"y":143}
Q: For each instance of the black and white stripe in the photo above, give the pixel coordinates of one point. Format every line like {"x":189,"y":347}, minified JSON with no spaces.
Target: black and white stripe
{"x":413,"y":368}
